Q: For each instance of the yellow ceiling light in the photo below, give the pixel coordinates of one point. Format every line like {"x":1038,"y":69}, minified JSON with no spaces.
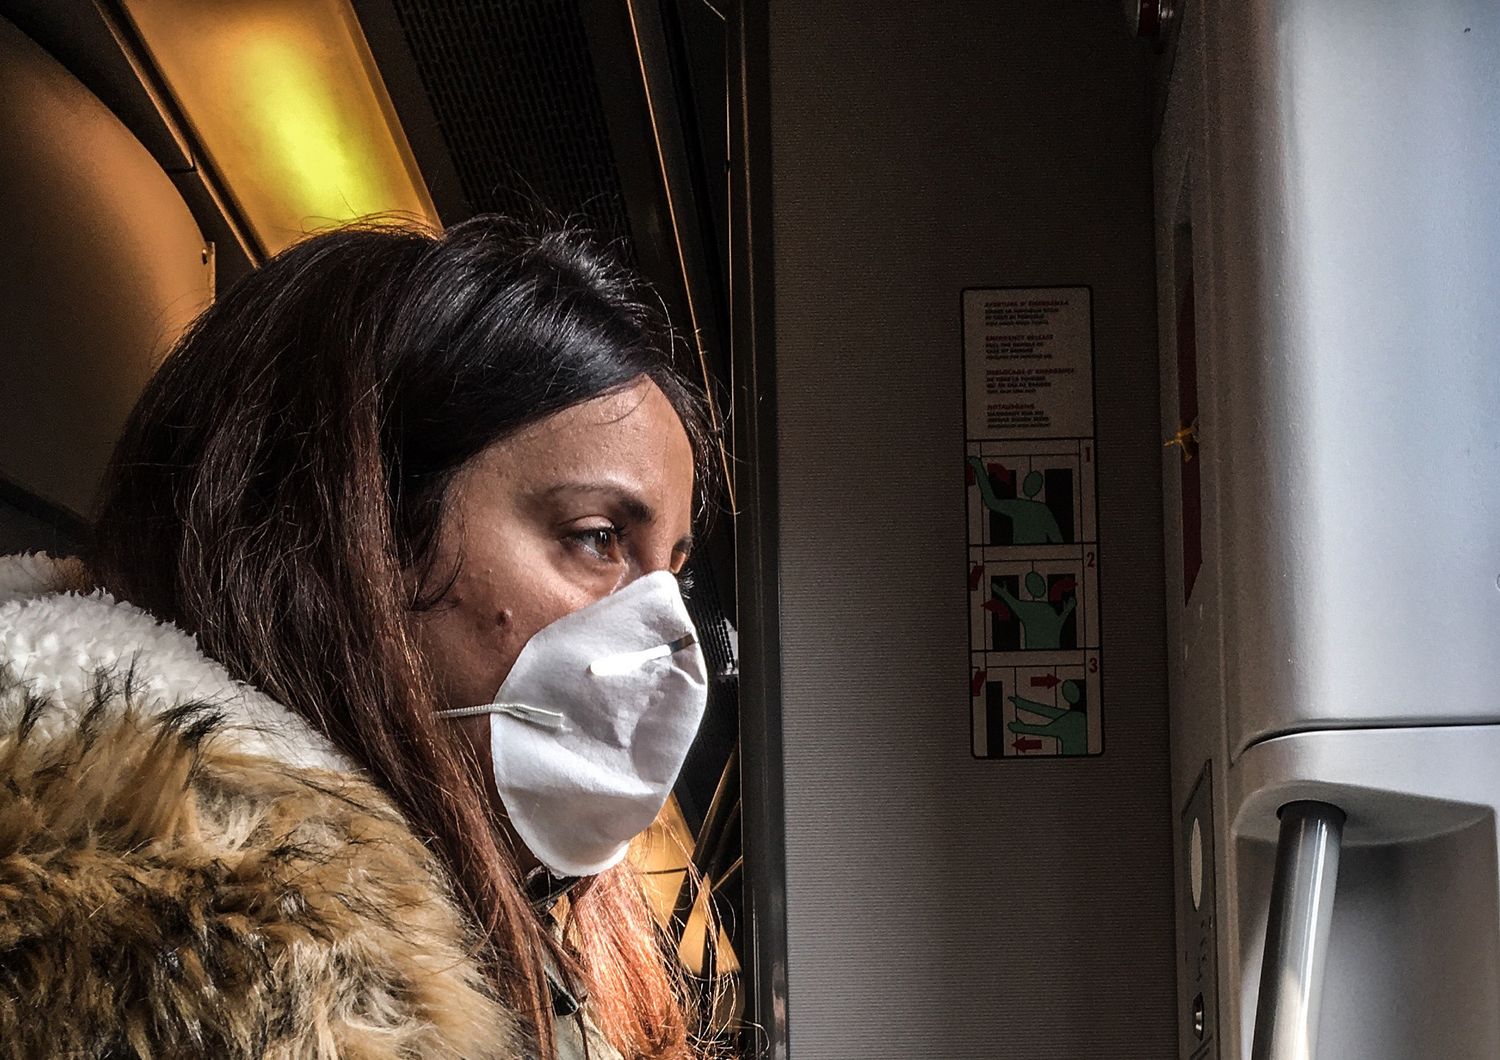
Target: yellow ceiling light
{"x":284,"y":97}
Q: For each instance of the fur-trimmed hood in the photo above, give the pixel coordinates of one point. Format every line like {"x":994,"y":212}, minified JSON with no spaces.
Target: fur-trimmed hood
{"x":187,"y":869}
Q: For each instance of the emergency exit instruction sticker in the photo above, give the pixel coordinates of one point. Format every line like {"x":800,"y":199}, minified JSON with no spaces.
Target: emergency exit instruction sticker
{"x":1033,"y":564}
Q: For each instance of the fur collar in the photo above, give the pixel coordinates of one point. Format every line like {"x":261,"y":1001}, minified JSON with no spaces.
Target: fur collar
{"x":187,"y":869}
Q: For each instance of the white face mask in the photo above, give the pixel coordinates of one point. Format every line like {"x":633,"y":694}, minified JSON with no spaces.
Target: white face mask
{"x":591,"y":727}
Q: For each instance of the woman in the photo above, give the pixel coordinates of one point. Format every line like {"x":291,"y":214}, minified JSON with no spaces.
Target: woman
{"x":303,"y":761}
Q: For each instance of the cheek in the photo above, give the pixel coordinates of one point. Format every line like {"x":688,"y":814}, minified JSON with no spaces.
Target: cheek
{"x":466,"y":637}
{"x":550,"y":600}
{"x":474,"y":637}
{"x":463,"y":651}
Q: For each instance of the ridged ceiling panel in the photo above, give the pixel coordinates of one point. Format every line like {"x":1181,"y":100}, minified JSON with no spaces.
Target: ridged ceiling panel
{"x":513,"y":88}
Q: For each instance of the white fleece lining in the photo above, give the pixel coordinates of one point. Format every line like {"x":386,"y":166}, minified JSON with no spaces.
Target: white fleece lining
{"x":54,"y":642}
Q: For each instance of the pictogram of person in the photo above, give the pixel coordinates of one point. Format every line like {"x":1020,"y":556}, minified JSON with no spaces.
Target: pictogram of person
{"x":1041,"y":623}
{"x":1068,"y":726}
{"x":1031,"y":521}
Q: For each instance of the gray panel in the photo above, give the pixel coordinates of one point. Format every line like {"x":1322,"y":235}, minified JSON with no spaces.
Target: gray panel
{"x":940,"y":906}
{"x":1197,"y":922}
{"x":1337,"y":162}
{"x":1186,"y":241}
{"x":1354,"y":153}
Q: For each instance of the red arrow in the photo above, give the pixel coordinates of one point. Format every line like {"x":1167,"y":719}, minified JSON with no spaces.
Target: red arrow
{"x":976,"y":574}
{"x":1046,"y":681}
{"x":976,"y":683}
{"x":1061,"y":587}
{"x":1001,"y":472}
{"x":998,"y":609}
{"x":1024,"y":744}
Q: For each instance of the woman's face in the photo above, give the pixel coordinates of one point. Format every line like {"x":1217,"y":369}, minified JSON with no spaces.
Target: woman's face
{"x":548,"y":521}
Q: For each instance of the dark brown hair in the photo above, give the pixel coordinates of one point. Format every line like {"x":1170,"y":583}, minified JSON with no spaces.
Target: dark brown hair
{"x":284,"y":474}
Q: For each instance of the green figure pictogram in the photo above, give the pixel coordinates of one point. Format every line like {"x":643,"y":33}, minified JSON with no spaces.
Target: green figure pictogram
{"x":1069,"y":727}
{"x":1031,"y":521}
{"x":1041,"y":623}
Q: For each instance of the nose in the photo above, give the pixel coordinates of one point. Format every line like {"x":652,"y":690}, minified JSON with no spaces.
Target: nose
{"x":658,"y":552}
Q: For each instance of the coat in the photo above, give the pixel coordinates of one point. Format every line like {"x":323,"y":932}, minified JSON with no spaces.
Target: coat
{"x":188,"y":869}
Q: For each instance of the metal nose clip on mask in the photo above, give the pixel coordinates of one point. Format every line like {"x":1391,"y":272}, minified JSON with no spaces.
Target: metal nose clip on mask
{"x":591,"y":727}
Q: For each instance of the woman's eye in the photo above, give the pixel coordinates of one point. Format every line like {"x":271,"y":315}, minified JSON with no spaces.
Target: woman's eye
{"x":602,"y":542}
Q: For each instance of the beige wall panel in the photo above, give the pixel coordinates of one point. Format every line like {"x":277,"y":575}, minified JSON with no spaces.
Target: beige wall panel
{"x":101,"y":266}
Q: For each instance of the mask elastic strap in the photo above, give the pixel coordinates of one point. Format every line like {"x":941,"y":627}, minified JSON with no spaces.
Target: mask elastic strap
{"x":538,"y":716}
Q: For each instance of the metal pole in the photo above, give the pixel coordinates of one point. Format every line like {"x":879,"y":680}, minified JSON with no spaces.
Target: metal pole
{"x":1291,"y":974}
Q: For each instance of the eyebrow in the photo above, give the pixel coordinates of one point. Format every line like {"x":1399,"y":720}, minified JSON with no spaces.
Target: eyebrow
{"x":630,"y":502}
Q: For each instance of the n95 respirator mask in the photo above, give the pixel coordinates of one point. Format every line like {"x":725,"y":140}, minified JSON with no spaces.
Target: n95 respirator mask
{"x":591,"y":727}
